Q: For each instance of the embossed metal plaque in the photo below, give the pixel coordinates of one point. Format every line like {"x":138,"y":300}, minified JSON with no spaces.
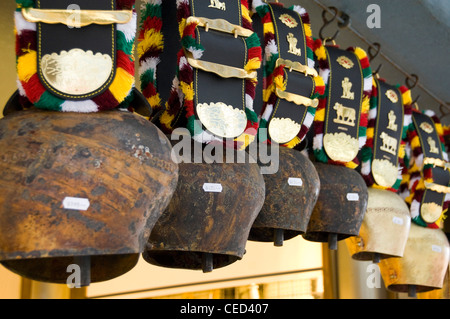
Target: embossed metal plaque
{"x":283,"y":130}
{"x":76,"y":72}
{"x":221,"y":119}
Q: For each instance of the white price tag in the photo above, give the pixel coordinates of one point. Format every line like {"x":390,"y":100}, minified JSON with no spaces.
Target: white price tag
{"x":436,"y":248}
{"x":293,"y":181}
{"x":397,"y":220}
{"x":352,"y":197}
{"x":212,"y":187}
{"x":76,"y":203}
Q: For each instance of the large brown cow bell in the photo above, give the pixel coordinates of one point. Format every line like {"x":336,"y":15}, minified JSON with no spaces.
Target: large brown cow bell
{"x":80,"y":189}
{"x":340,"y":208}
{"x":291,"y":194}
{"x":384,"y":230}
{"x":208,"y":220}
{"x":424,"y":263}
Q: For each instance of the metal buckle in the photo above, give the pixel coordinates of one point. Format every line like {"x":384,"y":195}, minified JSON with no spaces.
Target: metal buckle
{"x":80,"y":18}
{"x":291,"y":97}
{"x":439,"y":163}
{"x":221,"y":70}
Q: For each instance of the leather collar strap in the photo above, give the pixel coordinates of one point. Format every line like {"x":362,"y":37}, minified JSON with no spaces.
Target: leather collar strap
{"x":341,"y":118}
{"x":217,"y":55}
{"x":429,"y":170}
{"x":383,"y":154}
{"x":291,"y":84}
{"x":75,"y":55}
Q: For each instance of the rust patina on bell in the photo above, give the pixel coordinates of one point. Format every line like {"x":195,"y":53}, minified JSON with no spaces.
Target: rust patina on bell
{"x":208,"y":220}
{"x":80,"y":189}
{"x":384,"y":230}
{"x":291,"y":194}
{"x":424,"y":263}
{"x":340,"y":208}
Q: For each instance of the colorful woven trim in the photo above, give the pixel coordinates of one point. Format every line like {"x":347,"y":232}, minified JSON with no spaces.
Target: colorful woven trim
{"x":319,"y":121}
{"x":274,"y":77}
{"x":367,"y":150}
{"x":149,"y":48}
{"x":179,"y":109}
{"x":32,"y":90}
{"x":419,"y":173}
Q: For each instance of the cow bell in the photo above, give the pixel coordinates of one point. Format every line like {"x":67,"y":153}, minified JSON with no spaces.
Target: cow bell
{"x":424,"y":263}
{"x":384,"y":230}
{"x":340,"y":208}
{"x":207,"y":222}
{"x":80,"y":190}
{"x":291,"y":194}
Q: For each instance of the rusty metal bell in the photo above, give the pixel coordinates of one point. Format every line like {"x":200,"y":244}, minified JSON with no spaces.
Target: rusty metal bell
{"x":291,"y":194}
{"x":80,"y":189}
{"x":208,"y":220}
{"x":384,"y":230}
{"x":424,"y":263}
{"x":341,"y":206}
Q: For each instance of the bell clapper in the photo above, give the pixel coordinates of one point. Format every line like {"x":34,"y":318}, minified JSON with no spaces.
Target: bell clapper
{"x":278,"y":237}
{"x":412,"y":291}
{"x":376,"y":258}
{"x":332,"y":241}
{"x":207,"y":262}
{"x":84,"y":262}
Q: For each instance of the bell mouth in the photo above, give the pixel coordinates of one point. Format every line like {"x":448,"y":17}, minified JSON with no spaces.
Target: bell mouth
{"x":55,"y":269}
{"x":194,"y":260}
{"x":407,"y":288}
{"x":370,"y":256}
{"x":323,"y":237}
{"x":270,"y":234}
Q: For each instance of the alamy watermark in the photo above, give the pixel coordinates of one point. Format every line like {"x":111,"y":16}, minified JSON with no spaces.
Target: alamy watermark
{"x":374,"y":19}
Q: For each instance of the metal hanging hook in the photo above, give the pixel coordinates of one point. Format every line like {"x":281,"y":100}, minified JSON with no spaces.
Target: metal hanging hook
{"x":343,"y":22}
{"x":373,"y":51}
{"x":411,"y":82}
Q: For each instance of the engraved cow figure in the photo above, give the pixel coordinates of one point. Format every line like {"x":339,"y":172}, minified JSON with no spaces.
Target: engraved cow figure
{"x":345,"y":115}
{"x":389,"y":143}
{"x":217,"y":5}
{"x":293,"y":45}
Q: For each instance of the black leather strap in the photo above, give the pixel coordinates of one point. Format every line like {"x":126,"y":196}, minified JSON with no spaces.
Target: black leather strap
{"x":336,"y":95}
{"x":431,"y":148}
{"x":291,"y":42}
{"x":55,"y":38}
{"x":389,"y":125}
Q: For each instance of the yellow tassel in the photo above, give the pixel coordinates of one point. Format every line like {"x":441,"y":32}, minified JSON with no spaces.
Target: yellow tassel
{"x":166,"y":119}
{"x":365,"y":105}
{"x":407,"y":99}
{"x":27,"y":66}
{"x":280,"y":82}
{"x":151,"y":38}
{"x":320,"y":115}
{"x":253,"y":64}
{"x":308,"y":31}
{"x":268,"y":28}
{"x":360,"y":53}
{"x":401,"y":151}
{"x":351,"y":165}
{"x":245,"y":13}
{"x":415,"y":142}
{"x":267,"y":92}
{"x":319,"y":81}
{"x":369,"y":132}
{"x":294,"y":142}
{"x":154,"y":101}
{"x":245,"y":139}
{"x":321,"y":53}
{"x":181,"y":27}
{"x":187,"y":90}
{"x":122,"y":84}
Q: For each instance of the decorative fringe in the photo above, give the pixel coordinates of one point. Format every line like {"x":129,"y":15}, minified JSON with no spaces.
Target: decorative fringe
{"x":418,"y":173}
{"x":318,"y":149}
{"x":367,"y":150}
{"x":32,"y":90}
{"x":274,"y":77}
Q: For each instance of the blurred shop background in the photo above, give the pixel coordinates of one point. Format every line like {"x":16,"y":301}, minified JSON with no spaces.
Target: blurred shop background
{"x":411,"y":44}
